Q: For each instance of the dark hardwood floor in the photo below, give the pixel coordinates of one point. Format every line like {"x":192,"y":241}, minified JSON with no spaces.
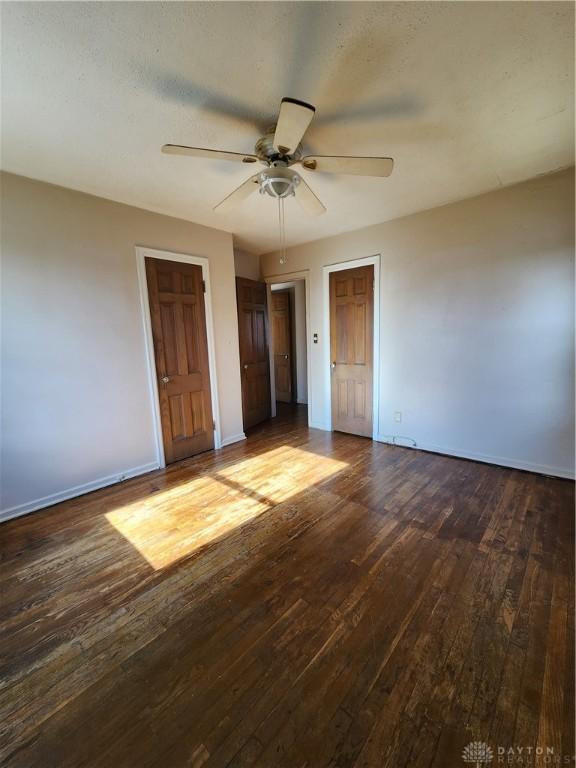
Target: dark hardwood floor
{"x":302,"y":599}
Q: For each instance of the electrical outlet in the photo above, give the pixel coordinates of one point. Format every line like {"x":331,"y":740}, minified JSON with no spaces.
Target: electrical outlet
{"x":398,"y":416}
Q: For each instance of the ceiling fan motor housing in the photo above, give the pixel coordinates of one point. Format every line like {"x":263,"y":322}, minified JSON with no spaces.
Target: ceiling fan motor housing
{"x":268,"y":153}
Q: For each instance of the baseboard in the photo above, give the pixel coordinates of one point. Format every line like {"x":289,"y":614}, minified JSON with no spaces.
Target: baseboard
{"x":233,"y":439}
{"x":501,"y":461}
{"x":77,"y":490}
{"x":301,"y":402}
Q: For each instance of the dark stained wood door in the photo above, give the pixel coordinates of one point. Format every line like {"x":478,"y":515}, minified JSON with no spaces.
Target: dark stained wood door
{"x":351,"y":349}
{"x":282,"y":345}
{"x":254,"y":351}
{"x":176,"y":295}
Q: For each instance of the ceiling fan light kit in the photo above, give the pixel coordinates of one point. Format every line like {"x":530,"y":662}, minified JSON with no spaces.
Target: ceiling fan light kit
{"x":278,"y":149}
{"x":278,"y":181}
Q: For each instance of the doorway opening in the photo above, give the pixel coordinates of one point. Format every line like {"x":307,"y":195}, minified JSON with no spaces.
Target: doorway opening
{"x":289,"y":345}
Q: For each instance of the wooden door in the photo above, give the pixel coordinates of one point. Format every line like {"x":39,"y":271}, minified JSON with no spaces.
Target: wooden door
{"x":351,"y":349}
{"x":254,"y":351}
{"x":282,"y":345}
{"x":176,"y":295}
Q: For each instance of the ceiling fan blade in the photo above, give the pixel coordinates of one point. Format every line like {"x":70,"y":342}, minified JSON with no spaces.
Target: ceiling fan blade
{"x":308,"y":199}
{"x":294,"y":118}
{"x":356,"y":166}
{"x":239,"y":194}
{"x":211,"y":154}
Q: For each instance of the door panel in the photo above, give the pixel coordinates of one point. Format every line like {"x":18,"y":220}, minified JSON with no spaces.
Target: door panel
{"x":176,"y":296}
{"x":254,"y":352}
{"x":282,"y":345}
{"x":168,"y":331}
{"x":360,"y":323}
{"x":351,"y":349}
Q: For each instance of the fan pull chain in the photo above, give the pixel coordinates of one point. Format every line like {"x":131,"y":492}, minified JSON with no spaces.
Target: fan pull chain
{"x":282,"y":227}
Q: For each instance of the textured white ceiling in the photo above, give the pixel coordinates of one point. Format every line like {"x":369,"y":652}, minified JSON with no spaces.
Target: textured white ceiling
{"x":466,"y":96}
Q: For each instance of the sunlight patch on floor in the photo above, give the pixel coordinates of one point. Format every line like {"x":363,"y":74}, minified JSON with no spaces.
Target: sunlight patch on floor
{"x":171,"y":524}
{"x":283,"y":472}
{"x":174,"y":523}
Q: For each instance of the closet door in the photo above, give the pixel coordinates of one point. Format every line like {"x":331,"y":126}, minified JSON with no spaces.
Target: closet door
{"x":254,"y":352}
{"x":176,"y":296}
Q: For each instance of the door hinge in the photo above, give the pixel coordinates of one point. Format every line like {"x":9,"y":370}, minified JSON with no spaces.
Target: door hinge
{"x":203,"y":286}
{"x":213,"y":424}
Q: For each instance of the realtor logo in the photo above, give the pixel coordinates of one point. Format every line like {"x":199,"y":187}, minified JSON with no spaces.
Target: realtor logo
{"x":478,"y":753}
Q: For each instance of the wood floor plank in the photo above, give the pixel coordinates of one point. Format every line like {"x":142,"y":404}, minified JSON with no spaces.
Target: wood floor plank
{"x":302,"y":599}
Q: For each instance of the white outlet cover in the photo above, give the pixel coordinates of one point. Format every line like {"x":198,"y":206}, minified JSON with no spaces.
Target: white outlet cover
{"x":397,"y":415}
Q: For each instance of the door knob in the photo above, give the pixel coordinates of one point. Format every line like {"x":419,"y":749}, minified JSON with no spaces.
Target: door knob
{"x":165,"y":379}
{"x":245,"y":366}
{"x":285,"y":357}
{"x":333,"y":365}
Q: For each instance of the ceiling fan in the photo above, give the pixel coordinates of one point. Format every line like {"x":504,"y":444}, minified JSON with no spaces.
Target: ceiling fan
{"x":279,"y":149}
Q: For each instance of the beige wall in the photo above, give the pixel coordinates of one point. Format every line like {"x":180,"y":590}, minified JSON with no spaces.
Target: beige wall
{"x":476,"y":324}
{"x":246,"y":264}
{"x":76,"y":404}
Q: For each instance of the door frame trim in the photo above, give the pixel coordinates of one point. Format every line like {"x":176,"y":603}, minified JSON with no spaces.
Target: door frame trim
{"x":289,"y":277}
{"x":142,"y":252}
{"x":326,"y":271}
